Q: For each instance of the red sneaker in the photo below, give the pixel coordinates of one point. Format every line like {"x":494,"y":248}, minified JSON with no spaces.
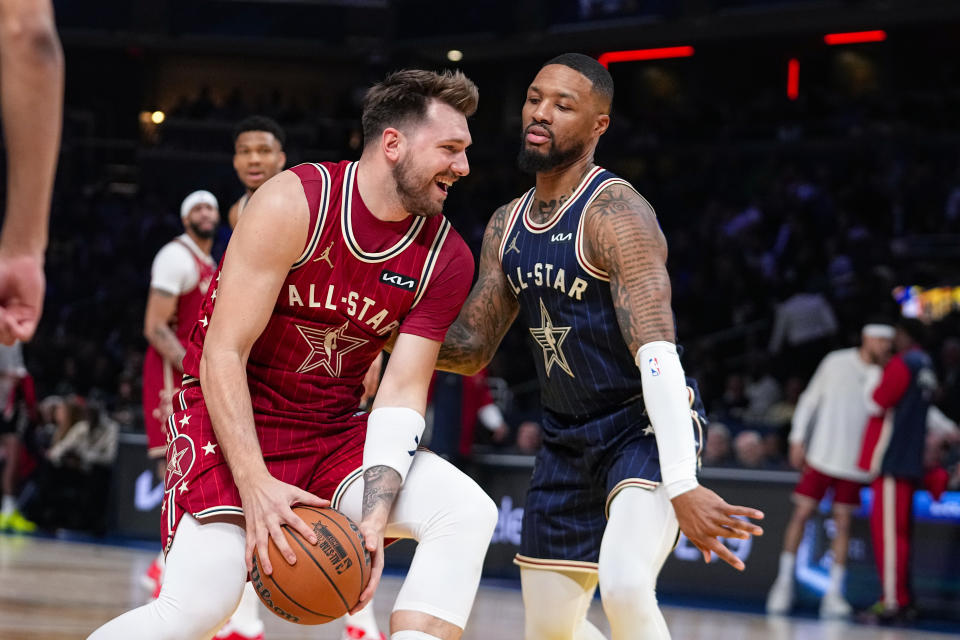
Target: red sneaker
{"x":357,"y":633}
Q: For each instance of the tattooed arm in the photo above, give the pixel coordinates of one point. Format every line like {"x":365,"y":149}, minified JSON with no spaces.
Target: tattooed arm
{"x":488,"y":312}
{"x":402,"y":396}
{"x":624,"y":239}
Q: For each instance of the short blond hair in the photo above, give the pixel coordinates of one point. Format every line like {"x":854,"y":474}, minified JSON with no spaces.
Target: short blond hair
{"x":402,"y":98}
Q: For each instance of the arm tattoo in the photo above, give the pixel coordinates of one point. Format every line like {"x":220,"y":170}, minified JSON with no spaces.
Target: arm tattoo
{"x":625,"y":240}
{"x":380,"y":487}
{"x":165,"y":341}
{"x":488,"y":312}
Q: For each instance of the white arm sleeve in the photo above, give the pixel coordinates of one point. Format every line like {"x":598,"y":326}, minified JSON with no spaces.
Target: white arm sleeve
{"x":173,"y":270}
{"x":393,"y":434}
{"x":668,"y":407}
{"x":490,"y":416}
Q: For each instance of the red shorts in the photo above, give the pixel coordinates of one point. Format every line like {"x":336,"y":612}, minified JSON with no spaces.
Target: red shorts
{"x":814,"y":485}
{"x":159,"y":379}
{"x":322,"y":458}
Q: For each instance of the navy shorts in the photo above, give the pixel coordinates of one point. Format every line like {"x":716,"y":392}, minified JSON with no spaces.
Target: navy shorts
{"x":578,"y":470}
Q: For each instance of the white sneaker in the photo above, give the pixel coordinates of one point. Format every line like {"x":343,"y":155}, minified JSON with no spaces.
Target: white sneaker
{"x":834,"y":606}
{"x":780,"y":598}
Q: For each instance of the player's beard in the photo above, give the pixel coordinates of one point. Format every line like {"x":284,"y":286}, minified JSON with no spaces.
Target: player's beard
{"x":533,"y":161}
{"x":414,"y":192}
{"x":203,"y":234}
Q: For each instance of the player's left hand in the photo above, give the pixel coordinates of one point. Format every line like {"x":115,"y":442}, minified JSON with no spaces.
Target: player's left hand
{"x":373,"y":541}
{"x":705,"y":517}
{"x":22,"y":285}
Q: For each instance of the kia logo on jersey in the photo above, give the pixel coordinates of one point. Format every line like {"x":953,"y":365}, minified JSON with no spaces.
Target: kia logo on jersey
{"x":398,"y":280}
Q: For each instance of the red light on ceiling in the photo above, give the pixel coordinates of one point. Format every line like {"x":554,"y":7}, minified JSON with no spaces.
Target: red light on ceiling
{"x":793,"y":79}
{"x":634,"y":55}
{"x":855,"y":37}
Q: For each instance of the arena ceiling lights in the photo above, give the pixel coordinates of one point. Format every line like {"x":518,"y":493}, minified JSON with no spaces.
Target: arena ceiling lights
{"x":633,"y":55}
{"x":855,"y":37}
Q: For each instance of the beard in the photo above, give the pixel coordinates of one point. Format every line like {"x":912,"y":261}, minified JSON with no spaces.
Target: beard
{"x":534,"y":161}
{"x":202,"y":233}
{"x":414,"y":191}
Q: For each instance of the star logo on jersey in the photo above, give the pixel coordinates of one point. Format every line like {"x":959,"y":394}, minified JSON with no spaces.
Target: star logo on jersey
{"x":512,"y":246}
{"x":180,"y":459}
{"x":550,"y":339}
{"x":327,"y":348}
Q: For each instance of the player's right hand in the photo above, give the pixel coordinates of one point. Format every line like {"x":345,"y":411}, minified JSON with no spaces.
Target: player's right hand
{"x":22,"y":285}
{"x":705,"y":517}
{"x":266,"y":506}
{"x":373,"y":541}
{"x":798,"y":453}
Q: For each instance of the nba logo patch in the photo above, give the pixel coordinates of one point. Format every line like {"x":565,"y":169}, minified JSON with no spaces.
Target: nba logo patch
{"x":654,"y":367}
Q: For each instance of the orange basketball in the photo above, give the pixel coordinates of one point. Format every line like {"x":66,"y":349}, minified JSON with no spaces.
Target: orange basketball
{"x":328,"y":577}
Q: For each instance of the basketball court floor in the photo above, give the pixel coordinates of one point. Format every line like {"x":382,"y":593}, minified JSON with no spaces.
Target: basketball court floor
{"x":58,"y":590}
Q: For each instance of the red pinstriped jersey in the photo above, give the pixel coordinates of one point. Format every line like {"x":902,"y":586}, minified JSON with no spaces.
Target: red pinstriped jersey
{"x":357,"y":279}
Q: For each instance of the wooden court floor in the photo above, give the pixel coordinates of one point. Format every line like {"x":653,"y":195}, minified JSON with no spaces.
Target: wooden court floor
{"x":56,"y":590}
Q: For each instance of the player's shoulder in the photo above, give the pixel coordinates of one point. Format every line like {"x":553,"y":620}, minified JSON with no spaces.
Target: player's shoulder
{"x":455,"y":253}
{"x":615,"y":194}
{"x":314,"y":171}
{"x":175,"y":249}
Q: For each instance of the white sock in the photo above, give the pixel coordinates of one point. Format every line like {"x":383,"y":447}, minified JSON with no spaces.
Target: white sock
{"x":365,"y":620}
{"x":837,"y":573}
{"x":9,"y":505}
{"x":412,"y":635}
{"x":788,"y":562}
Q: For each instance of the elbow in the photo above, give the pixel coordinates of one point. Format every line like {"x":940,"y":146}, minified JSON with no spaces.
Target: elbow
{"x":33,"y":32}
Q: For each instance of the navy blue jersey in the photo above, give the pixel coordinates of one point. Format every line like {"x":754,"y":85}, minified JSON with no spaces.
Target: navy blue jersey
{"x":904,"y":456}
{"x":583,"y":363}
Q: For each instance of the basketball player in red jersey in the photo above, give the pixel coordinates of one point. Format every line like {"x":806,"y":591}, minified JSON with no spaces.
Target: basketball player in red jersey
{"x":326,"y":262}
{"x":31,"y":83}
{"x":257,"y":156}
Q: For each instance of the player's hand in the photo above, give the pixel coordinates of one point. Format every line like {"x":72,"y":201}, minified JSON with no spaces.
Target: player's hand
{"x":266,"y":506}
{"x":22,"y":286}
{"x":501,"y":433}
{"x":798,"y":453}
{"x":373,"y":541}
{"x":705,"y":517}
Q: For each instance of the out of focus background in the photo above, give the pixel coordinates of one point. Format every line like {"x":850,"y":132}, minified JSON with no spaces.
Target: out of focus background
{"x":800,"y":154}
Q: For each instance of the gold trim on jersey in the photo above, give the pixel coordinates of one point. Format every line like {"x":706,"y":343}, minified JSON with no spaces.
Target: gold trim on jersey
{"x":554,"y":565}
{"x":511,"y":223}
{"x":639,"y":483}
{"x":346,"y":225}
{"x":341,"y":489}
{"x":533,"y":227}
{"x":431,"y":260}
{"x":585,"y":264}
{"x":321,"y":217}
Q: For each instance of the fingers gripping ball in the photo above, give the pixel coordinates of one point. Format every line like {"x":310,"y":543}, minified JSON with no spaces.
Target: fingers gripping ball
{"x":328,"y":577}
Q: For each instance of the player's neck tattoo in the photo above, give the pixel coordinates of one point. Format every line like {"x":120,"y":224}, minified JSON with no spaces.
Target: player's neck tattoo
{"x":545,"y":210}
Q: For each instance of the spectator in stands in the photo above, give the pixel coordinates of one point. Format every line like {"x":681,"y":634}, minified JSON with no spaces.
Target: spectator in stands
{"x":748,"y":449}
{"x":803,"y":328}
{"x":717,"y":452}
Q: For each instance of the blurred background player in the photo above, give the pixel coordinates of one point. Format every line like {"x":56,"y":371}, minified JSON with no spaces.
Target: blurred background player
{"x":179,"y":278}
{"x":825,"y":439}
{"x":257,"y":156}
{"x":893,"y":453}
{"x":31,"y":100}
{"x":14,"y":384}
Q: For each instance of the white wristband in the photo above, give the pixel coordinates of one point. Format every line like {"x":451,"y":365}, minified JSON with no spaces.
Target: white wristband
{"x":668,"y":407}
{"x":393,"y":434}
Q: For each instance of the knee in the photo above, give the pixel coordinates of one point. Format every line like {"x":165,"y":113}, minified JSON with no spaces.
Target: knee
{"x":197,"y":616}
{"x":474,"y":513}
{"x":548,"y":626}
{"x":635,"y":591}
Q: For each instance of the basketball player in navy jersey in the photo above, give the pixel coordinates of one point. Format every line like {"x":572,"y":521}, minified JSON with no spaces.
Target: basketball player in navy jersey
{"x":582,"y":258}
{"x":257,"y":156}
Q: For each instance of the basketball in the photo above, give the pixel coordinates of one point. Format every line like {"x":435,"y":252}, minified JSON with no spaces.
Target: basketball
{"x":328,"y":577}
